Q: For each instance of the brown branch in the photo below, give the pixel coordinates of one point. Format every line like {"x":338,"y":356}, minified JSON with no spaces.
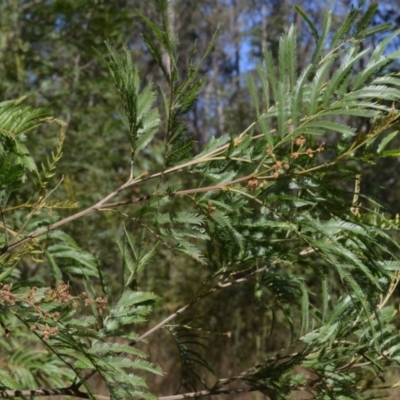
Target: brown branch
{"x":207,"y":393}
{"x":177,"y":193}
{"x":128,"y":184}
{"x":204,"y":158}
{"x":103,"y":204}
{"x":197,"y":299}
{"x":216,"y":390}
{"x":64,"y":221}
{"x":43,"y":392}
{"x":67,"y":391}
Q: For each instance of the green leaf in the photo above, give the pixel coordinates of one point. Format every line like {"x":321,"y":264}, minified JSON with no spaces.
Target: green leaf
{"x":390,"y":153}
{"x":385,"y":141}
{"x":344,"y":29}
{"x":312,"y":27}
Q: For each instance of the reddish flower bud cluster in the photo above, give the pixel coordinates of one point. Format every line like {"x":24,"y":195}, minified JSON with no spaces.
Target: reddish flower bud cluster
{"x":252,"y":183}
{"x":6,"y":295}
{"x":300,"y":141}
{"x":33,"y":298}
{"x":101,"y":303}
{"x":279,"y":165}
{"x":45,"y":330}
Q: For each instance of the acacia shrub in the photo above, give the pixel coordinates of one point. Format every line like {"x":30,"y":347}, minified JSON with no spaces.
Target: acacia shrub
{"x":262,"y":208}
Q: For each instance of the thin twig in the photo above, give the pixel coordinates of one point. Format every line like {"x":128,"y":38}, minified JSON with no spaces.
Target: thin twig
{"x":179,"y":312}
{"x":207,"y":393}
{"x":197,"y":299}
{"x":67,"y":391}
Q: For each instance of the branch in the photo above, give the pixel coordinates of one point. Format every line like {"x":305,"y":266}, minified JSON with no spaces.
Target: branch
{"x":213,"y":188}
{"x":101,"y":204}
{"x":67,"y":391}
{"x":7,"y":249}
{"x":207,"y":393}
{"x":220,"y":285}
{"x":202,"y":159}
{"x":71,"y":392}
{"x":164,"y":322}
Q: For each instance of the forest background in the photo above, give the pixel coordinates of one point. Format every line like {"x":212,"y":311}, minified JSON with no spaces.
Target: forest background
{"x":48,"y":51}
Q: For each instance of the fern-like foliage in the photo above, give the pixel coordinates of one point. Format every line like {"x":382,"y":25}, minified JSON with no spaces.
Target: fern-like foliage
{"x":191,"y":348}
{"x":138,"y":114}
{"x":16,"y":120}
{"x":56,"y":321}
{"x":183,"y":91}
